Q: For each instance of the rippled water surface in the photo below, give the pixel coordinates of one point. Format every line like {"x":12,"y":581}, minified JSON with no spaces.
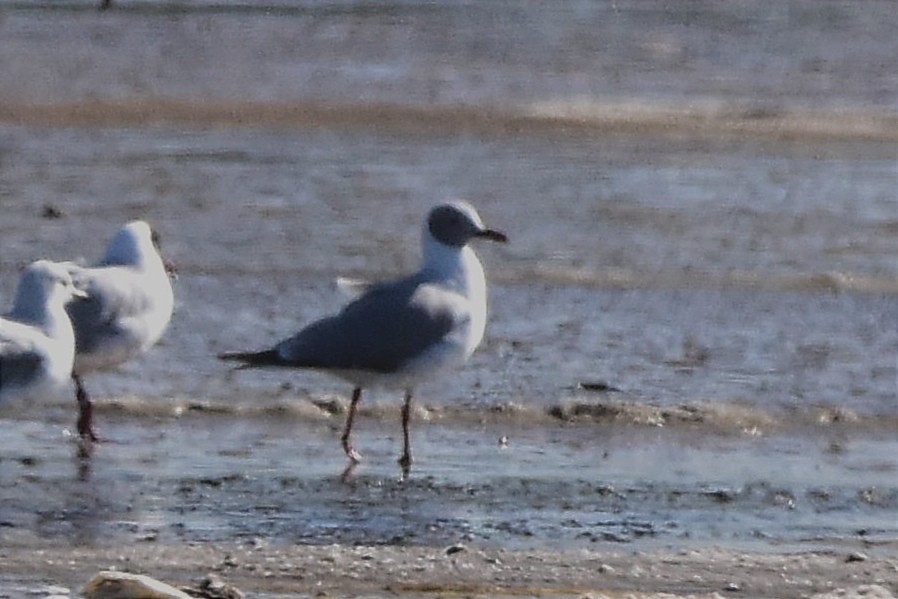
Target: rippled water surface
{"x":692,"y":335}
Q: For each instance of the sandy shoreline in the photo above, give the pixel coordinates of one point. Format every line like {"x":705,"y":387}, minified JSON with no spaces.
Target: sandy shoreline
{"x":710,"y":122}
{"x":257,"y":569}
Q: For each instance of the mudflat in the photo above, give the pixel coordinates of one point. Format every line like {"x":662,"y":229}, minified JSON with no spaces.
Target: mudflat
{"x":270,"y":570}
{"x":688,"y":382}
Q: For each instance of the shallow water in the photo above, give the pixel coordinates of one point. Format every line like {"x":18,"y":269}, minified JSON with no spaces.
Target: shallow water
{"x":670,"y":299}
{"x":738,"y":292}
{"x":281,"y":480}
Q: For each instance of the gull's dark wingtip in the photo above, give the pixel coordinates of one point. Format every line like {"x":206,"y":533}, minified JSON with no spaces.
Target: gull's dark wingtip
{"x":269,"y":357}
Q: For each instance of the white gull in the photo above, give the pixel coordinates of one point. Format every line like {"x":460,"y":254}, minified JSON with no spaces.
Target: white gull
{"x":128,"y":305}
{"x":37,"y":344}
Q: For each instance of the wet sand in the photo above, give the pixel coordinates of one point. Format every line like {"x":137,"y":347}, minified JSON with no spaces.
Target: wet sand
{"x":575,"y":119}
{"x":269,"y":571}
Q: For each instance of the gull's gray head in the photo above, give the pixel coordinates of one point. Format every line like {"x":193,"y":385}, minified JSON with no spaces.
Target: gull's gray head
{"x":455,"y":223}
{"x":131,"y":244}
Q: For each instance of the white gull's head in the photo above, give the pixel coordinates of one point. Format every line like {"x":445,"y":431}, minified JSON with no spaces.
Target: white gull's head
{"x":131,"y":245}
{"x":43,"y":283}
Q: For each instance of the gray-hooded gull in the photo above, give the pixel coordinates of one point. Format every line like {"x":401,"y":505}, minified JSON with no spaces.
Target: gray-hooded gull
{"x":399,"y":333}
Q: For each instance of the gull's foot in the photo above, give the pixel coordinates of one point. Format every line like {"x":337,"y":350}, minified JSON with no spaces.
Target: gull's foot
{"x":354,"y":459}
{"x":91,"y":436}
{"x":86,"y":429}
{"x":354,"y":456}
{"x":85,"y":412}
{"x":348,"y":471}
{"x":85,"y":450}
{"x":405,"y":462}
{"x":86,"y":425}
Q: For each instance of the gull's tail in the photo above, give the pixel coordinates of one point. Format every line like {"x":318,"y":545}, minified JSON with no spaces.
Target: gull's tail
{"x":252,"y":359}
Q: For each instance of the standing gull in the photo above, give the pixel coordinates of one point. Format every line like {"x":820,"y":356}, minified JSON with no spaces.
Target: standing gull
{"x":399,"y":333}
{"x":128,"y":306}
{"x":37,"y":344}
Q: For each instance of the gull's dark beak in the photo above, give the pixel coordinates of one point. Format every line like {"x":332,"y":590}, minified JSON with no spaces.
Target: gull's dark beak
{"x":170,"y":269}
{"x":169,"y":266}
{"x":492,"y":235}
